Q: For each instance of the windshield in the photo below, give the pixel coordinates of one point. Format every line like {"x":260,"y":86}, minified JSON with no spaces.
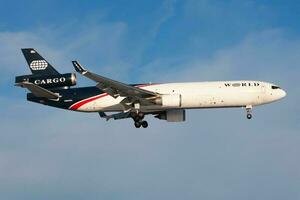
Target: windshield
{"x":274,"y":87}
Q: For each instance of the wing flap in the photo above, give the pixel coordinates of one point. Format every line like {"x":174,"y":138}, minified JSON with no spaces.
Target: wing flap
{"x":38,"y":91}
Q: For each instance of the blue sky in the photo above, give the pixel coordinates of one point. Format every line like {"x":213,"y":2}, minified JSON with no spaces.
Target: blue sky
{"x":47,"y":153}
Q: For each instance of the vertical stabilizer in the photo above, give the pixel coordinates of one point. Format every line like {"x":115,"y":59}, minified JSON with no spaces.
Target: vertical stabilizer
{"x":37,"y":64}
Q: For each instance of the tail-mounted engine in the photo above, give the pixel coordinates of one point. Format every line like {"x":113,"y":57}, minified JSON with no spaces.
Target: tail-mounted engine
{"x":49,"y":81}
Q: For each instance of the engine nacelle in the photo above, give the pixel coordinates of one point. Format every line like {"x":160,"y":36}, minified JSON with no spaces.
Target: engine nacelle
{"x":172,"y":115}
{"x":49,"y":81}
{"x":169,"y":100}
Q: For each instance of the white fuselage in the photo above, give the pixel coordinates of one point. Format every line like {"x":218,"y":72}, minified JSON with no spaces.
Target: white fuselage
{"x":196,"y":95}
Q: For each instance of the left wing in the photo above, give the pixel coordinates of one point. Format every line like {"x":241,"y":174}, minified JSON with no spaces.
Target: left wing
{"x":121,"y":115}
{"x":116,"y":88}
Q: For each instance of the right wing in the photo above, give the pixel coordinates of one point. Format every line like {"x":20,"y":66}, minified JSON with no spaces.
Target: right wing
{"x":114,"y":88}
{"x":38,"y":91}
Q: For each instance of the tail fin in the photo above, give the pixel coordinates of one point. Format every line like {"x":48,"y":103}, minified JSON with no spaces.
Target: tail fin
{"x":37,"y":64}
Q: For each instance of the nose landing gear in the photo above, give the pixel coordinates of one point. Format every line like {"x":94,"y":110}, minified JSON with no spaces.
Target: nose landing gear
{"x":248,"y":109}
{"x":249,"y":116}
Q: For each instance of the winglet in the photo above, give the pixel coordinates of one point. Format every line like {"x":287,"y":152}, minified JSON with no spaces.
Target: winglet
{"x":78,"y":67}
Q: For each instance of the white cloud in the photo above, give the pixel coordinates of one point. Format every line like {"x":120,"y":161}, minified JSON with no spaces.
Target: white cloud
{"x":97,"y":46}
{"x":166,"y":12}
{"x":254,"y":57}
{"x":211,"y":156}
{"x":270,"y":55}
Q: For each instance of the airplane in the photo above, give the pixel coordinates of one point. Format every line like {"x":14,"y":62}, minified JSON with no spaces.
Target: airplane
{"x":166,"y":101}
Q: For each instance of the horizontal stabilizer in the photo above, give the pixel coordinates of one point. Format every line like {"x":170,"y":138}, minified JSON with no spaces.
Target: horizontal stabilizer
{"x":38,"y":91}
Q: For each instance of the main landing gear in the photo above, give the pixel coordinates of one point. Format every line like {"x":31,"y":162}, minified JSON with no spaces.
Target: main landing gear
{"x":248,"y":109}
{"x":140,"y":124}
{"x":138,"y":120}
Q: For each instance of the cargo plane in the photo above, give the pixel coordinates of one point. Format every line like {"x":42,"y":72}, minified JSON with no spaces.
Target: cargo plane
{"x":166,"y":101}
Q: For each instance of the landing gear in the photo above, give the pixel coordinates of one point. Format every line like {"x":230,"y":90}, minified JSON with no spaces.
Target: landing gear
{"x":137,"y":124}
{"x":140,"y":124}
{"x":248,"y":109}
{"x":141,"y":115}
{"x":144,"y":124}
{"x":138,"y":120}
{"x":249,"y":116}
{"x":138,"y":116}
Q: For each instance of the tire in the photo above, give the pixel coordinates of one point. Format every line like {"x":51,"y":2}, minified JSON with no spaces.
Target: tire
{"x":141,"y":115}
{"x":249,"y":116}
{"x":136,"y":119}
{"x":144,"y":124}
{"x":137,"y":124}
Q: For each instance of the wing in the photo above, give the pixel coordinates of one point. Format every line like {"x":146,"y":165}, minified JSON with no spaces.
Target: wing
{"x":38,"y":91}
{"x":116,"y":88}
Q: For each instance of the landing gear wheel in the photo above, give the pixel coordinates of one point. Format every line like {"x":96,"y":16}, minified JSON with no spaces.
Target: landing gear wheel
{"x":249,"y":116}
{"x":248,"y":109}
{"x":136,"y":119}
{"x":137,"y":124}
{"x":144,"y":124}
{"x":141,"y":115}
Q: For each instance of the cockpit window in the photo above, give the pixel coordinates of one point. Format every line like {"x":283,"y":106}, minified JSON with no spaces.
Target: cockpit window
{"x":275,"y":87}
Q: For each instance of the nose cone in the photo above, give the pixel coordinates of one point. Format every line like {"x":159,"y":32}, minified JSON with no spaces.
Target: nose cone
{"x":281,"y":93}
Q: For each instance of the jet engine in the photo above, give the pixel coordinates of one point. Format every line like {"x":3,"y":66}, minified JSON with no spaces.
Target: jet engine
{"x":172,"y":115}
{"x":169,"y":100}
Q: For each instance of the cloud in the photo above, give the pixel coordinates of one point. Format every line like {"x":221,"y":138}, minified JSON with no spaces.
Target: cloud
{"x":46,"y":153}
{"x":216,"y":154}
{"x":269,"y":55}
{"x":99,"y":41}
{"x":166,"y":11}
{"x":263,"y":56}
